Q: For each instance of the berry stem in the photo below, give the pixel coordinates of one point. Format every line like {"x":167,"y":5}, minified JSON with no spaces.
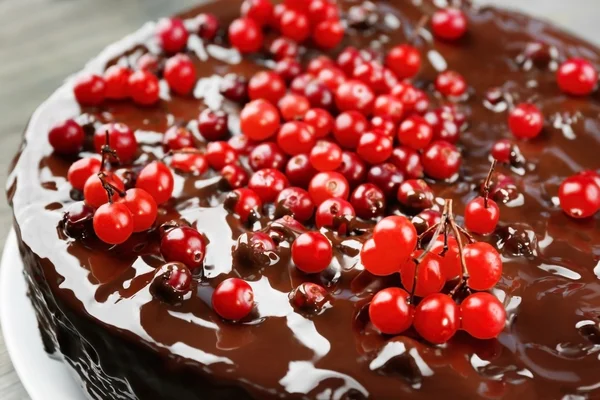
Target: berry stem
{"x":487,"y":183}
{"x":107,"y":153}
{"x":109,"y":187}
{"x":465,"y":273}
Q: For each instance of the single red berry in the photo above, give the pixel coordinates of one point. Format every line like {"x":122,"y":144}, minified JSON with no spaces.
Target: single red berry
{"x":415,"y":132}
{"x":407,"y":94}
{"x":171,"y":34}
{"x":299,"y":170}
{"x":525,"y":121}
{"x":245,"y":35}
{"x":322,"y":10}
{"x":293,"y":106}
{"x":180,"y":74}
{"x":213,"y":125}
{"x":577,"y":77}
{"x":297,"y":201}
{"x":66,"y":137}
{"x":325,"y":156}
{"x":144,"y":88}
{"x":260,"y":11}
{"x":579,"y":196}
{"x":233,"y":299}
{"x":189,"y":161}
{"x":113,"y":223}
{"x":353,"y":168}
{"x":259,"y":120}
{"x":282,"y":48}
{"x":449,"y":24}
{"x":185,"y":245}
{"x":320,"y":121}
{"x":383,"y":124}
{"x":319,"y":95}
{"x":501,"y":150}
{"x":299,"y":5}
{"x":295,"y":137}
{"x":425,"y":220}
{"x":208,"y":26}
{"x":157,"y":179}
{"x":234,"y":87}
{"x":404,"y":60}
{"x":267,"y":183}
{"x":80,"y":171}
{"x":437,"y":318}
{"x":94,"y":193}
{"x":388,"y":106}
{"x":278,"y":11}
{"x":349,"y":127}
{"x":327,"y":185}
{"x":220,"y":154}
{"x":310,"y":297}
{"x":294,"y":25}
{"x":120,"y":139}
{"x":142,"y":207}
{"x":328,"y":34}
{"x":407,"y":161}
{"x":483,"y":316}
{"x":78,"y":220}
{"x":390,"y":80}
{"x":484,"y":265}
{"x":177,"y":138}
{"x":311,"y":252}
{"x":372,"y":75}
{"x":349,"y":59}
{"x":235,"y":176}
{"x":390,"y":312}
{"x":300,"y":83}
{"x":354,"y":95}
{"x":451,"y":84}
{"x":451,"y":267}
{"x":288,"y":69}
{"x":171,"y":282}
{"x":332,"y":77}
{"x":116,"y":78}
{"x":89,"y":90}
{"x":398,"y":233}
{"x":415,"y":194}
{"x":246,"y":203}
{"x":374,"y":147}
{"x":148,"y":62}
{"x":241,"y":144}
{"x":441,"y":160}
{"x":595,"y":176}
{"x":266,"y":85}
{"x":318,"y":63}
{"x":386,"y":177}
{"x":332,"y":214}
{"x":368,"y":201}
{"x":267,"y":155}
{"x":481,"y":217}
{"x":380,"y":260}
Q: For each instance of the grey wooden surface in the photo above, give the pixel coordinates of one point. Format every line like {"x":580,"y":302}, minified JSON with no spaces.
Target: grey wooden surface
{"x":43,"y":41}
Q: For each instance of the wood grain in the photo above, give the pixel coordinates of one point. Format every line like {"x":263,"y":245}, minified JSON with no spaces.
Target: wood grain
{"x":43,"y":41}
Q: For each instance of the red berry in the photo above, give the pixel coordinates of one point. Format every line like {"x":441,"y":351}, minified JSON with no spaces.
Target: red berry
{"x":368,"y":201}
{"x":325,"y":156}
{"x":289,"y":222}
{"x":171,"y":34}
{"x":388,"y":106}
{"x":241,"y":144}
{"x":89,"y":90}
{"x":451,"y":267}
{"x":190,"y":161}
{"x":220,"y":154}
{"x":66,"y":137}
{"x":295,"y":138}
{"x":208,"y":25}
{"x":404,"y":60}
{"x":295,"y":25}
{"x":326,"y":185}
{"x":579,"y":196}
{"x":481,"y":218}
{"x":322,"y":10}
{"x":483,"y":316}
{"x":441,"y":160}
{"x":384,"y":124}
{"x":245,"y":35}
{"x":352,"y":168}
{"x":299,"y":170}
{"x":354,"y":95}
{"x":501,"y":150}
{"x":288,"y":69}
{"x":318,"y":63}
{"x":425,"y":220}
{"x":180,"y":74}
{"x":143,"y":87}
{"x":142,"y":207}
{"x":113,"y":223}
{"x":390,"y":312}
{"x":374,"y":147}
{"x":283,"y":48}
{"x":120,"y":139}
{"x":80,"y":171}
{"x":371,"y":74}
{"x":297,"y":201}
{"x":311,"y":252}
{"x":299,"y":5}
{"x":484,"y":265}
{"x":450,"y":84}
{"x":267,"y":183}
{"x":233,"y":299}
{"x":331,"y":210}
{"x":246,"y":203}
{"x":266,"y":85}
{"x":437,"y":318}
{"x":148,"y":62}
{"x":449,"y":24}
{"x":78,"y":220}
{"x":185,"y":245}
{"x":278,"y":11}
{"x":309,"y":296}
{"x":300,"y":83}
{"x":320,"y":121}
{"x":259,"y":120}
{"x":319,"y":95}
{"x":156,"y":178}
{"x":328,"y":34}
{"x":398,"y":233}
{"x":386,"y":177}
{"x":293,"y":106}
{"x":116,"y":78}
{"x":94,"y":193}
{"x":213,"y":125}
{"x":577,"y":77}
{"x":595,"y":176}
{"x":526,"y":121}
{"x":415,"y":132}
{"x":349,"y":127}
{"x":235,"y":176}
{"x":332,"y":77}
{"x":415,"y":194}
{"x":234,"y":87}
{"x":380,"y":260}
{"x":349,"y":59}
{"x":177,"y":138}
{"x":408,"y":162}
{"x":260,"y":11}
{"x":267,"y":155}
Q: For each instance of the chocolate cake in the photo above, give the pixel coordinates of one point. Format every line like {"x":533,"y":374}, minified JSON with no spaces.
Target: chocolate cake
{"x":153,"y":315}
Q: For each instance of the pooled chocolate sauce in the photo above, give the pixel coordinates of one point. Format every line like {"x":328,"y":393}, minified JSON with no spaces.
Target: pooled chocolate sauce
{"x":94,"y":303}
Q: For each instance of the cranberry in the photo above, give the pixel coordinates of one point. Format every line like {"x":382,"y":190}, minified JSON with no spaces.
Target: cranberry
{"x":320,"y":121}
{"x":322,"y":10}
{"x":404,"y":60}
{"x":332,"y":77}
{"x":260,"y":11}
{"x":80,"y":171}
{"x":372,"y":75}
{"x":577,"y":77}
{"x":282,"y":48}
{"x":579,"y":196}
{"x":425,"y":220}
{"x":180,"y":74}
{"x":234,"y":87}
{"x":171,"y":282}
{"x":318,"y":63}
{"x":288,"y":69}
{"x":148,"y":62}
{"x":352,"y":168}
{"x":326,"y":185}
{"x":245,"y":202}
{"x":178,"y":137}
{"x":595,"y":176}
{"x":116,"y":77}
{"x":450,"y":84}
{"x":259,"y":120}
{"x":483,"y":264}
{"x":383,"y":124}
{"x":267,"y":155}
{"x":441,"y":160}
{"x":295,"y":138}
{"x":386,"y":177}
{"x":349,"y":127}
{"x":526,"y":121}
{"x":212,"y":124}
{"x":66,"y":137}
{"x":298,"y":5}
{"x":415,"y":132}
{"x":374,"y":147}
{"x":235,"y":176}
{"x":328,"y":34}
{"x":293,"y":106}
{"x":354,"y":95}
{"x":208,"y":26}
{"x":233,"y":299}
{"x":388,"y":106}
{"x":325,"y":156}
{"x":297,"y":201}
{"x":220,"y":154}
{"x":266,"y":85}
{"x":368,"y":201}
{"x":407,"y":161}
{"x":311,"y":252}
{"x":142,"y":207}
{"x":390,"y":312}
{"x":78,"y":220}
{"x":241,"y":144}
{"x":245,"y":35}
{"x":171,"y":34}
{"x":451,"y":267}
{"x":144,"y":88}
{"x":189,"y":161}
{"x":501,"y":150}
{"x":437,"y":318}
{"x":415,"y":194}
{"x":398,"y":233}
{"x":120,"y":139}
{"x":156,"y":178}
{"x":300,"y":83}
{"x":449,"y":24}
{"x":309,"y":297}
{"x":278,"y":11}
{"x":483,"y":316}
{"x":94,"y":193}
{"x":113,"y":223}
{"x":481,"y":216}
{"x":319,"y":95}
{"x":294,"y":25}
{"x":89,"y":90}
{"x":299,"y":170}
{"x":407,"y":94}
{"x":333,"y":214}
{"x":349,"y":59}
{"x":267,"y":183}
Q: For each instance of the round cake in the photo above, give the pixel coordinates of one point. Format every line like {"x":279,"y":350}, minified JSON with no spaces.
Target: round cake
{"x":321,"y":200}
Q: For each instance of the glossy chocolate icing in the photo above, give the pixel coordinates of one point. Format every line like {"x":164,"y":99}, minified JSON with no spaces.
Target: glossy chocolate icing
{"x":94,"y":303}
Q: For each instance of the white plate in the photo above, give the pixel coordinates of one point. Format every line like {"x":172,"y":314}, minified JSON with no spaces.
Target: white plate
{"x":44,"y":378}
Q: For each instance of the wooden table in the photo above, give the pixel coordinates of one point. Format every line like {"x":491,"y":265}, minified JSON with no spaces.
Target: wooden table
{"x":43,"y":41}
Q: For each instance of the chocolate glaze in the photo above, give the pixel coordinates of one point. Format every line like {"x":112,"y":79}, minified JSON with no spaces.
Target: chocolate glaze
{"x":94,"y":304}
